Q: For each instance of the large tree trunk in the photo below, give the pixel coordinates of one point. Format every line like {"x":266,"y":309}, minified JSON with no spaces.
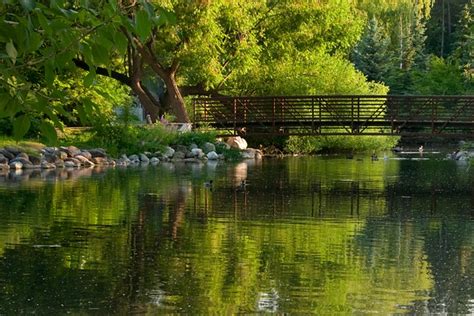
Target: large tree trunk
{"x":175,"y":99}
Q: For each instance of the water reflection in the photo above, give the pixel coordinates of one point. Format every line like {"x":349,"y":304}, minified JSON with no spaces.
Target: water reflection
{"x":304,"y":236}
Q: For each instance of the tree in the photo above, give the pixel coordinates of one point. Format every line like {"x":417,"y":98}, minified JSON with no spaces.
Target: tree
{"x":371,"y":55}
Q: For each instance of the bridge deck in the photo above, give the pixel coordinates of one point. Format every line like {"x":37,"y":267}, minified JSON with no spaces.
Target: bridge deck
{"x":338,"y":115}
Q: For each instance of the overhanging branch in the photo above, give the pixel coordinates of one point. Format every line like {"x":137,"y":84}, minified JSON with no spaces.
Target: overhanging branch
{"x":124,"y":79}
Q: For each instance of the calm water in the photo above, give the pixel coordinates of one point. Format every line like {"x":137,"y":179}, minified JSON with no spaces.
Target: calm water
{"x":307,"y":235}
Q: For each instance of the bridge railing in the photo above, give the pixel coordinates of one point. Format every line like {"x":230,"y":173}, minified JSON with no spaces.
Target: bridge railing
{"x":346,"y":114}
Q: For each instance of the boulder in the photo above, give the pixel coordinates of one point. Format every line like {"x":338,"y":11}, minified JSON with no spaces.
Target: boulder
{"x":134,"y":157}
{"x":70,"y":151}
{"x":248,"y":153}
{"x":99,"y":160}
{"x":58,"y":163}
{"x":7,"y":154}
{"x":23,"y":155}
{"x":148,"y":154}
{"x":179,"y":155}
{"x":49,"y":150}
{"x":212,"y":155}
{"x":208,"y":147}
{"x":3,"y":159}
{"x":13,"y":150}
{"x":154,"y":160}
{"x":4,"y":166}
{"x":76,"y":162}
{"x":181,"y":148}
{"x":62,"y":154}
{"x":22,"y":160}
{"x":69,"y":164}
{"x":237,"y":142}
{"x":86,"y":154}
{"x":49,"y":157}
{"x":258,"y":154}
{"x":35,"y":160}
{"x":16,"y":165}
{"x":144,"y":158}
{"x":47,"y":165}
{"x":197,"y":152}
{"x":84,"y":161}
{"x":192,"y":146}
{"x":168,"y":152}
{"x":98,"y":152}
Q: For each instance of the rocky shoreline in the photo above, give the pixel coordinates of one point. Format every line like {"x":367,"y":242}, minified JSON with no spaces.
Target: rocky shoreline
{"x":12,"y":158}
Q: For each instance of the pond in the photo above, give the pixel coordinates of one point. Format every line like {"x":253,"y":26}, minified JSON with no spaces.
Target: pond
{"x":317,"y":235}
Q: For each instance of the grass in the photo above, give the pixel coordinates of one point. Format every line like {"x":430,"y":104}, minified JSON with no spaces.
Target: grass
{"x":30,"y":147}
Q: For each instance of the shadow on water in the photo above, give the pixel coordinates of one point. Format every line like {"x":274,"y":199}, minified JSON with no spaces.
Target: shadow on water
{"x":306,"y":235}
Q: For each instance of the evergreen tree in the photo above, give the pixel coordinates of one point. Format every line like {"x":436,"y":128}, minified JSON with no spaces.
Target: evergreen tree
{"x":464,"y":45}
{"x":371,"y":55}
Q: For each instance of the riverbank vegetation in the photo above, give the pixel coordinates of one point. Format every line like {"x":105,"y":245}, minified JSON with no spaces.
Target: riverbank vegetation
{"x":86,"y":63}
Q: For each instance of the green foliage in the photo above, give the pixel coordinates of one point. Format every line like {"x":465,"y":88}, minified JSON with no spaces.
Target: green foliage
{"x":313,"y":144}
{"x":309,"y":73}
{"x":371,"y":55}
{"x":195,"y":137}
{"x":440,"y":78}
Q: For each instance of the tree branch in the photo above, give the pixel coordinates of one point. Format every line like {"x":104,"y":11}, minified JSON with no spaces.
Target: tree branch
{"x":104,"y":72}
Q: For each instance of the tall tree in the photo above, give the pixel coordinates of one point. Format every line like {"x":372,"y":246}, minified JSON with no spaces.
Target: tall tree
{"x":371,"y":55}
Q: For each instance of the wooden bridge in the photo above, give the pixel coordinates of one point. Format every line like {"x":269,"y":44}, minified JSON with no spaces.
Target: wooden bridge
{"x":446,"y":116}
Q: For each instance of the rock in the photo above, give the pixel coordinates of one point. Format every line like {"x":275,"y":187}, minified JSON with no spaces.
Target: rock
{"x":197,"y":152}
{"x":212,"y":155}
{"x":134,"y":157}
{"x":179,"y":155}
{"x":62,"y":154}
{"x":208,"y":147}
{"x":23,"y":155}
{"x":47,"y":165}
{"x":154,"y":160}
{"x":7,"y":154}
{"x":168,"y":152}
{"x":69,"y":164}
{"x":13,"y":150}
{"x":22,"y":160}
{"x":49,"y":157}
{"x":4,"y":166}
{"x":16,"y":165}
{"x":165,"y":159}
{"x":181,"y":148}
{"x":59,"y":163}
{"x":35,"y":160}
{"x":144,"y":158}
{"x":248,"y":153}
{"x":189,"y":154}
{"x":49,"y":150}
{"x":3,"y":159}
{"x":98,"y":152}
{"x":258,"y":154}
{"x":237,"y":142}
{"x":148,"y":154}
{"x":99,"y":160}
{"x":192,"y":146}
{"x":86,"y":154}
{"x":70,"y":151}
{"x":84,"y":161}
{"x":76,"y":162}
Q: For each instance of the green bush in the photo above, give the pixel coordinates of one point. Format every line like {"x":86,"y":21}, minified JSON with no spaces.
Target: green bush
{"x":315,"y":144}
